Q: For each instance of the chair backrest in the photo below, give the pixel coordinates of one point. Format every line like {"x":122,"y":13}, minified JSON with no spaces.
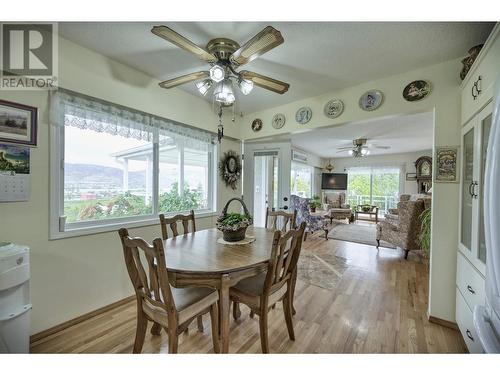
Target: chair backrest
{"x":410,"y":221}
{"x":172,"y":223}
{"x":285,"y":254}
{"x":301,"y":206}
{"x":281,"y":219}
{"x":151,"y":286}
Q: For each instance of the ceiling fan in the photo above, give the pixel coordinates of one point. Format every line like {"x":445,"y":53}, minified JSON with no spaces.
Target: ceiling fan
{"x":359,"y":148}
{"x":225,"y":56}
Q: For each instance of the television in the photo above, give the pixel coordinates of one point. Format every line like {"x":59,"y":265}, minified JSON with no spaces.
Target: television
{"x":334,"y":181}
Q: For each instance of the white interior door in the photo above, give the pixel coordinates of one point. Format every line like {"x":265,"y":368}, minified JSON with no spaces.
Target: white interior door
{"x":266,"y":181}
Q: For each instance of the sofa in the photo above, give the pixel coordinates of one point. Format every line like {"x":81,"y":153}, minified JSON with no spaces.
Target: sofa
{"x":401,"y":227}
{"x":334,"y":203}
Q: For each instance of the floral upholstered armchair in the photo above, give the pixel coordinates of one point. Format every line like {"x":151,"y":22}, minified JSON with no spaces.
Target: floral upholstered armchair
{"x":313,"y":222}
{"x":404,"y":229}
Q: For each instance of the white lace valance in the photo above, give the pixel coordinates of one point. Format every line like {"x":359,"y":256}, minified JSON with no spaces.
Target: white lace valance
{"x":72,"y":109}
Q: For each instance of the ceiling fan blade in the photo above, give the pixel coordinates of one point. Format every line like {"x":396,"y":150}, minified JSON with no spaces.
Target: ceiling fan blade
{"x":345,"y":148}
{"x":180,"y":41}
{"x":170,"y":83}
{"x":267,"y":83}
{"x":264,"y":41}
{"x":338,"y":152}
{"x":380,"y":147}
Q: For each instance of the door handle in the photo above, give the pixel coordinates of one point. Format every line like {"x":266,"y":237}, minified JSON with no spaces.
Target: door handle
{"x":469,"y":335}
{"x":474,"y":184}
{"x":283,"y":208}
{"x":470,"y":189}
{"x":470,"y":289}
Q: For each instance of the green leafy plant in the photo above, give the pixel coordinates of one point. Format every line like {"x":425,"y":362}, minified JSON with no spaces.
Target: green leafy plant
{"x":425,"y":230}
{"x":234,"y":221}
{"x":315,"y":202}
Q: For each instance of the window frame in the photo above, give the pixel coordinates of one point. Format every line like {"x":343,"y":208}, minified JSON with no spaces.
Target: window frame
{"x":60,"y":229}
{"x":311,"y":173}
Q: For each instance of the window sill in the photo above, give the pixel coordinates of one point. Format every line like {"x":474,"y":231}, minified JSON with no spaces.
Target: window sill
{"x":103,"y":227}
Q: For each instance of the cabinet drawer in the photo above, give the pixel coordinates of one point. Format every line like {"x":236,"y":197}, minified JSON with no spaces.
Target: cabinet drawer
{"x":466,"y":325}
{"x":488,"y":70}
{"x":470,"y":282}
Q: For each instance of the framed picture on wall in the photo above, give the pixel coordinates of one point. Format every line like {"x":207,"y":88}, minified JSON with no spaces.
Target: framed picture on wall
{"x":447,"y":164}
{"x":18,"y":123}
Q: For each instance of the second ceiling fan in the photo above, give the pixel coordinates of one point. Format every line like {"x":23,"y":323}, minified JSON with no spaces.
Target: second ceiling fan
{"x":359,"y":148}
{"x":225,"y":56}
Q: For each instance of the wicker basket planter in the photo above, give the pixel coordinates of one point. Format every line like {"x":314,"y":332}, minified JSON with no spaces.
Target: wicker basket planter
{"x":234,"y":230}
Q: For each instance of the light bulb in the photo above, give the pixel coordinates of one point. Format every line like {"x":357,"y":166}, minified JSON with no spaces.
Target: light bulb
{"x":217,"y":73}
{"x":246,"y":86}
{"x":204,"y":86}
{"x":364,"y":151}
{"x":224,"y":92}
{"x":350,"y":152}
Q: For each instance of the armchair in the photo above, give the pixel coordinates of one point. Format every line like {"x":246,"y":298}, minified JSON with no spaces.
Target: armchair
{"x":313,"y":222}
{"x":403,"y":231}
{"x":335,"y":204}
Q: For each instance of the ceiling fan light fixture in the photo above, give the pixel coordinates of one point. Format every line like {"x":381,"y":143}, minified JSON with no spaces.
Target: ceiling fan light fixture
{"x":364,"y":151}
{"x":246,"y":85}
{"x":204,"y":86}
{"x":217,"y":73}
{"x":350,"y":152}
{"x":224,"y":92}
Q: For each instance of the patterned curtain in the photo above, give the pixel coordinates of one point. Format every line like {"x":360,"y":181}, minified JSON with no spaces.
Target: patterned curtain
{"x":68,"y":108}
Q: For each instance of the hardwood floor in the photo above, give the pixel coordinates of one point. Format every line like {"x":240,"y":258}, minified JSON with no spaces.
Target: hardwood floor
{"x":379,"y":305}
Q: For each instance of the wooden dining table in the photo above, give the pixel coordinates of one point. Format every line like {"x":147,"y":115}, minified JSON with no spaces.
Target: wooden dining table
{"x":197,"y":259}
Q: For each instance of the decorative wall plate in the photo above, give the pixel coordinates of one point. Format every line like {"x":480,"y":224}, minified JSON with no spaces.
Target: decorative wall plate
{"x":416,"y":90}
{"x":371,"y":100}
{"x":256,"y":124}
{"x":303,"y":115}
{"x":278,"y":121}
{"x":333,"y":108}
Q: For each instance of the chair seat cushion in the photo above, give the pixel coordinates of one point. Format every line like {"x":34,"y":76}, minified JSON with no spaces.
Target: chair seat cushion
{"x":253,"y":285}
{"x":185,"y":297}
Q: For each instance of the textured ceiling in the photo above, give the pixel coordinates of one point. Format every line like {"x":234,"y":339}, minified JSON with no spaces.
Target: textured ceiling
{"x":315,"y":58}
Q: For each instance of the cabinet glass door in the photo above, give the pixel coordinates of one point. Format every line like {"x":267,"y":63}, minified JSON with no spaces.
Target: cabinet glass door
{"x":467,"y":185}
{"x":485,"y":134}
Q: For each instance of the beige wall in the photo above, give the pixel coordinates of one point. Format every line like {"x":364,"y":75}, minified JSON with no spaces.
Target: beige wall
{"x":76,"y":275}
{"x":404,"y":160}
{"x":444,"y":102}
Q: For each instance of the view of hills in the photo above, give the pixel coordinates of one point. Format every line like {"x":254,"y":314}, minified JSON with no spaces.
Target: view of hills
{"x":87,"y":174}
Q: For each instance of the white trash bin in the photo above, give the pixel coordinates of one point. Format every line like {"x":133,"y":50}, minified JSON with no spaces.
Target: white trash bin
{"x":15,"y":303}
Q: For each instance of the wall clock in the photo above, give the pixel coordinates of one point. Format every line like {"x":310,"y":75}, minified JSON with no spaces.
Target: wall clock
{"x":333,"y":108}
{"x":303,"y":115}
{"x":371,"y":100}
{"x":278,"y":121}
{"x":256,"y":124}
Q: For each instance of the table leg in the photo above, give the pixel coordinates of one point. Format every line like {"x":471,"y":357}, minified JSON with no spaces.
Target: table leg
{"x":224,"y":307}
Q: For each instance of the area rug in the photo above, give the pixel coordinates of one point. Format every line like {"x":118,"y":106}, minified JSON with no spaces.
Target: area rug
{"x":358,"y":233}
{"x":320,"y":269}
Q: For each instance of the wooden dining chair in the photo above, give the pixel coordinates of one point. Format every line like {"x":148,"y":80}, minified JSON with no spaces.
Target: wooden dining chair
{"x":286,"y":220}
{"x":173,"y":221}
{"x":166,"y":222}
{"x":261,"y":292}
{"x":171,"y":308}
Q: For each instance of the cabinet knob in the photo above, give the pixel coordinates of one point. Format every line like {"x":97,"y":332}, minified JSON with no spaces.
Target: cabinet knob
{"x":470,"y":289}
{"x":469,"y":335}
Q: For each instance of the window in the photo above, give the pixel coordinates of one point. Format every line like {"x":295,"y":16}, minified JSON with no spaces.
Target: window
{"x":301,"y":180}
{"x":113,"y":166}
{"x":378,"y":186}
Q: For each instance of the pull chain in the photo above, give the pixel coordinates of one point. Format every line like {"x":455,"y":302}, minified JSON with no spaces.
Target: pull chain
{"x":220,"y":128}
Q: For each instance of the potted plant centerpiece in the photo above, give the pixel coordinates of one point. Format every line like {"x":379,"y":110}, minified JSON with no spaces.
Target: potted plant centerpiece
{"x":233,"y":225}
{"x":314,"y":203}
